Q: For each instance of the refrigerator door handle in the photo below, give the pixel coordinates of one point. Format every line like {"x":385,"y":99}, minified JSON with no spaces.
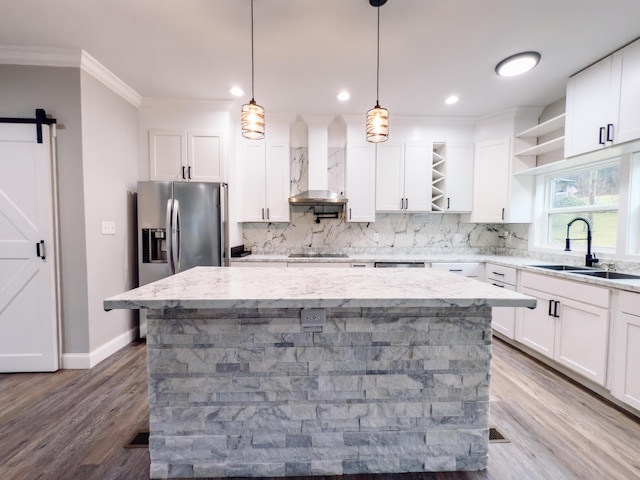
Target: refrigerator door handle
{"x":169,"y":231}
{"x":175,"y":233}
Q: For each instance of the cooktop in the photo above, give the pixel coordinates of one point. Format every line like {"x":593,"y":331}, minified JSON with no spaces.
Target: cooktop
{"x":318,"y":255}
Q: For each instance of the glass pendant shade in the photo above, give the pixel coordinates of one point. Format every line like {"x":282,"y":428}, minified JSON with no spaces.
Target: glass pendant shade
{"x":377,"y":124}
{"x":252,"y":120}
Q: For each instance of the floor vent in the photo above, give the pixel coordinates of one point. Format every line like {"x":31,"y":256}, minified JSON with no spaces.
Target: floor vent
{"x":140,"y":440}
{"x":496,"y":436}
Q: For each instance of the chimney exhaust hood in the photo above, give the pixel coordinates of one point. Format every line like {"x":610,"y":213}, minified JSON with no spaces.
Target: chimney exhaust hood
{"x":318,"y":193}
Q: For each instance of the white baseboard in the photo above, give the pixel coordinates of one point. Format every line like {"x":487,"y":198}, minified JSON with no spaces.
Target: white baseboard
{"x":83,"y":361}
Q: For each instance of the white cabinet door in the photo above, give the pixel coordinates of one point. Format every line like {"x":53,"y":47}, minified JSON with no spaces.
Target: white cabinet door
{"x":458,"y":180}
{"x":628,"y":128}
{"x":360,"y":181}
{"x":503,"y":319}
{"x":491,"y":181}
{"x":181,"y":155}
{"x":389,"y":177}
{"x":252,"y":198}
{"x":277,"y":187}
{"x":205,"y":157}
{"x":167,"y":155}
{"x":264,"y":182}
{"x":591,"y":107}
{"x":625,"y":356}
{"x":582,"y":338}
{"x":28,"y":313}
{"x":417,"y":176}
{"x":536,"y":328}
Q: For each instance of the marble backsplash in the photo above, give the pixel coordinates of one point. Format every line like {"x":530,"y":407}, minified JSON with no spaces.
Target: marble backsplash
{"x":390,"y":233}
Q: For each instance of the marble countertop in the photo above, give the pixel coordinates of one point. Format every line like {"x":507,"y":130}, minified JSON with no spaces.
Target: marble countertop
{"x":264,"y":287}
{"x":521,"y":263}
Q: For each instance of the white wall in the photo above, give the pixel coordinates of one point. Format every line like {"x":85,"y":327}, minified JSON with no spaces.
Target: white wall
{"x":110,"y":171}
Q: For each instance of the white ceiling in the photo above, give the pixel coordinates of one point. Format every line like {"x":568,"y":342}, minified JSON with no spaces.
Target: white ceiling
{"x":308,"y":50}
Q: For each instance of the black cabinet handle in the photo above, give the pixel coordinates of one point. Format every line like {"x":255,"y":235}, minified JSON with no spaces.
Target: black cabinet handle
{"x":610,"y":132}
{"x":448,"y":203}
{"x":189,"y":173}
{"x":497,"y":285}
{"x":402,"y":204}
{"x":406,"y":204}
{"x":268,"y":213}
{"x":498,"y":273}
{"x":263,"y":213}
{"x":184,"y":175}
{"x":551,"y":308}
{"x":503,"y":214}
{"x":349,"y":214}
{"x":455,"y":269}
{"x":40,"y":250}
{"x":555,"y":309}
{"x":601,"y":136}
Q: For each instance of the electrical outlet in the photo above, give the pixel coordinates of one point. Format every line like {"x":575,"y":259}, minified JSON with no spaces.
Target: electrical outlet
{"x":108,"y":227}
{"x":376,"y":237}
{"x":313,"y":317}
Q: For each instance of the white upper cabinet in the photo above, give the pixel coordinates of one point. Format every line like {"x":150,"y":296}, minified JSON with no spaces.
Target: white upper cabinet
{"x":491,"y":181}
{"x":603,"y":103}
{"x":457,"y":183}
{"x":186,"y":155}
{"x":360,"y":182}
{"x":264,"y":182}
{"x":403,"y":177}
{"x":629,"y":114}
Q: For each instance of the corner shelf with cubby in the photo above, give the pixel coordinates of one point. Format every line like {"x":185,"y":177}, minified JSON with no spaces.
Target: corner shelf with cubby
{"x":437,"y":178}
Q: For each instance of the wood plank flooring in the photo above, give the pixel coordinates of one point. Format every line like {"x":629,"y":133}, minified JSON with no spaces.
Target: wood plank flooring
{"x":73,"y":424}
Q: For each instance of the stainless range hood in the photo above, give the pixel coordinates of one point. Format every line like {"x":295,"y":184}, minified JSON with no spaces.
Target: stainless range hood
{"x":318,"y":193}
{"x":318,"y":197}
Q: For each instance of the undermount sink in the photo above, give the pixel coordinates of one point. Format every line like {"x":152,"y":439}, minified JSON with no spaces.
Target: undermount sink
{"x":609,"y":275}
{"x":559,"y":267}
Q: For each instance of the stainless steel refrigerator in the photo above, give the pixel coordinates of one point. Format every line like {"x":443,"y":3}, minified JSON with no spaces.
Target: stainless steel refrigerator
{"x":180,"y":225}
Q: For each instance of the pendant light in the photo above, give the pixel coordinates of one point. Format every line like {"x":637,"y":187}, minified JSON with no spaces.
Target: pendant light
{"x":378,"y":117}
{"x":252,"y":114}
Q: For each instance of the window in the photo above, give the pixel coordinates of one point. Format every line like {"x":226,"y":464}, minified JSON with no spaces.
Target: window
{"x":590,"y":193}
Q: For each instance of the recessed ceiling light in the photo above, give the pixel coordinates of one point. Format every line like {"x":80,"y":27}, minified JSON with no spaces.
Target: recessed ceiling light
{"x":236,"y":91}
{"x":343,"y":96}
{"x":517,"y":64}
{"x":451,"y":99}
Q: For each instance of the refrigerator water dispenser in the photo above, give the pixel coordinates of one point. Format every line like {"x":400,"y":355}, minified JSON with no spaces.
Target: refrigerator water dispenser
{"x":154,"y":245}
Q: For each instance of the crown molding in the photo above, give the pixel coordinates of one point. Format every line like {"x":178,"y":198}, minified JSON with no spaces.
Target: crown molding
{"x":63,"y":57}
{"x":187,"y":103}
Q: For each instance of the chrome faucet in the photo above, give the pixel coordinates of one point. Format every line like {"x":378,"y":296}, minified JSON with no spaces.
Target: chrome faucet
{"x":590,"y":259}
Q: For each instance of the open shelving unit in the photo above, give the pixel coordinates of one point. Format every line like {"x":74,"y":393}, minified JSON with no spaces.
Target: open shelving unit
{"x":532,"y":134}
{"x":438,"y":178}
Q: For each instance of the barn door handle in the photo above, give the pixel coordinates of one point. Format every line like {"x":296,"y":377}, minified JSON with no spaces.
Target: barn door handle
{"x":40,"y":252}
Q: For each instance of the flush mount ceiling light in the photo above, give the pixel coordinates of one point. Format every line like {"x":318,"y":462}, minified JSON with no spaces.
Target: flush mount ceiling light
{"x":451,"y":99}
{"x":343,"y":96}
{"x":252,"y":114}
{"x":236,"y":91}
{"x":377,"y":117}
{"x":517,"y":64}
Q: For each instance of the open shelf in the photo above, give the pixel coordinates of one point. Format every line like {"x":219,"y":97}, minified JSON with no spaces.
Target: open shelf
{"x":546,"y":147}
{"x":551,"y":125}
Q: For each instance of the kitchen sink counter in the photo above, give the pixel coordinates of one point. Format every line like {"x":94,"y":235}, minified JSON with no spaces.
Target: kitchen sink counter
{"x":277,"y":372}
{"x":521,"y":263}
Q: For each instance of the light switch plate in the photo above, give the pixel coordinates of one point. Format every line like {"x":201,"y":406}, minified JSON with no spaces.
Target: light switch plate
{"x":313,"y":317}
{"x":108,"y":227}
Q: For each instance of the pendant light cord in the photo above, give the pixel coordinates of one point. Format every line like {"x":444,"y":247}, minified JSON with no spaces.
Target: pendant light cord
{"x":377,"y":62}
{"x":252,"y":67}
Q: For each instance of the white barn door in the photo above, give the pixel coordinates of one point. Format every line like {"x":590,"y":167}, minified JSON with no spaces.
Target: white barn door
{"x":28,"y":313}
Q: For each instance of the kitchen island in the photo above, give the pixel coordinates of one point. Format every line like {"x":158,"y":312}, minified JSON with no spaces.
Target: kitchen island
{"x":286,"y":372}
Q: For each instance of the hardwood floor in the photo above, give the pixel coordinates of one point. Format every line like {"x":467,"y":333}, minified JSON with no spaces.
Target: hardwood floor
{"x":73,"y":424}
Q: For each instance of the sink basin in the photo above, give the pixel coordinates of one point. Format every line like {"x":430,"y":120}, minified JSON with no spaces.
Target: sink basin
{"x":559,"y":267}
{"x":609,"y":275}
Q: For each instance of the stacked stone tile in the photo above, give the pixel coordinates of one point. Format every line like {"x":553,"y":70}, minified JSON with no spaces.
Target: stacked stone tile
{"x":251,"y":392}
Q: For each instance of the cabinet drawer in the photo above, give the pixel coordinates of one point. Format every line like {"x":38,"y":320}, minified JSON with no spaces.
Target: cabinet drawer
{"x":472,"y":270}
{"x":598,"y":296}
{"x":629,"y":303}
{"x":500,"y":273}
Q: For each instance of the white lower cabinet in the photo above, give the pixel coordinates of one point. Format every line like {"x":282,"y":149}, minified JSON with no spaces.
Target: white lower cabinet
{"x":570,"y":324}
{"x":503,"y":319}
{"x":625,"y":380}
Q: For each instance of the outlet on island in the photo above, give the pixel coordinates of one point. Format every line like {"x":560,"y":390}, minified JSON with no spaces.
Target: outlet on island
{"x":313,"y":317}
